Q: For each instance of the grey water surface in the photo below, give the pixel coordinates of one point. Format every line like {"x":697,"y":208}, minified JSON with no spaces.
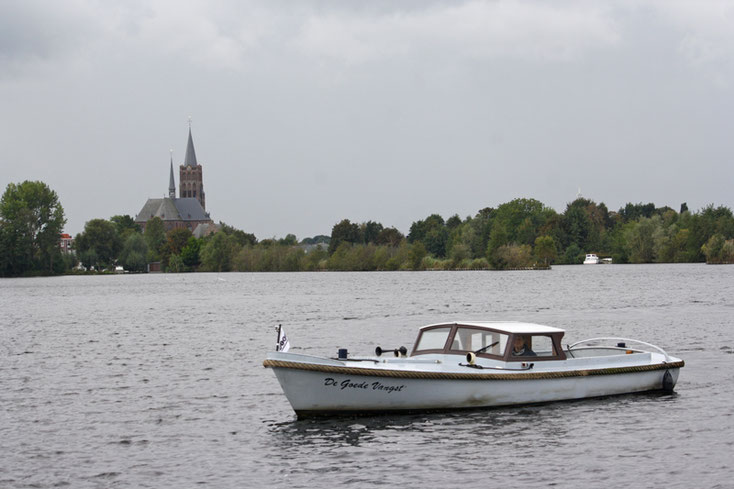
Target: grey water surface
{"x":157,"y":381}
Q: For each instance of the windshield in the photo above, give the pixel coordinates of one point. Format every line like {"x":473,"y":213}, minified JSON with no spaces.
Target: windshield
{"x":472,"y":339}
{"x":433,"y":339}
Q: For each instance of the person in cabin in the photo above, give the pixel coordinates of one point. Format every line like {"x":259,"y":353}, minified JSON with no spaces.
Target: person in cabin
{"x":521,"y":349}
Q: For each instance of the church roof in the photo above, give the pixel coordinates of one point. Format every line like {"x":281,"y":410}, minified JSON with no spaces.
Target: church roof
{"x":169,"y":209}
{"x":190,"y":158}
{"x":190,"y":209}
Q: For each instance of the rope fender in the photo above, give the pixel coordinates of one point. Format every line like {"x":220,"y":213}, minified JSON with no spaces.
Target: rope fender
{"x":410,"y":374}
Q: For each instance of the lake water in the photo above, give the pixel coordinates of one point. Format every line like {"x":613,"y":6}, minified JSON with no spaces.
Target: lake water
{"x":157,"y":381}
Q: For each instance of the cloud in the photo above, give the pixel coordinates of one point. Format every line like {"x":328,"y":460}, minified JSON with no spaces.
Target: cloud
{"x":706,"y":33}
{"x":210,"y":35}
{"x":223,"y":34}
{"x":230,"y":35}
{"x":494,"y":91}
{"x":32,"y":32}
{"x":525,"y":30}
{"x":207,"y":34}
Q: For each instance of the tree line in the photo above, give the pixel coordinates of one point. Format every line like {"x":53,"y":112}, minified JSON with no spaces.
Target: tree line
{"x":521,"y":233}
{"x":526,"y":233}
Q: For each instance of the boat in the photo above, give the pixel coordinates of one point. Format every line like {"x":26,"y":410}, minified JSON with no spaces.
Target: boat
{"x":474,"y":364}
{"x":591,"y":259}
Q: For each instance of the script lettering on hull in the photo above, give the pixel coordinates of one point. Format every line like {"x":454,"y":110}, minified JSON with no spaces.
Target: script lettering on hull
{"x":364,"y":385}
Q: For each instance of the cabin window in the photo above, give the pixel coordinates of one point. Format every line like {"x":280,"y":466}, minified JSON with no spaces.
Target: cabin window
{"x":471,"y":339}
{"x":532,"y":345}
{"x":433,"y":339}
{"x":542,"y":346}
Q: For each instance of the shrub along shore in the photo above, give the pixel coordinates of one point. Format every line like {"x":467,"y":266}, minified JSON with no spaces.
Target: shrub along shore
{"x":520,"y":234}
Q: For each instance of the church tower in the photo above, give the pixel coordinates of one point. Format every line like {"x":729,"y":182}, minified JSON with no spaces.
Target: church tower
{"x":191,"y":183}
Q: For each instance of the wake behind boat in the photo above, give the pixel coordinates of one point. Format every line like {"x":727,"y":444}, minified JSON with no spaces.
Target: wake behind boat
{"x":472,"y":365}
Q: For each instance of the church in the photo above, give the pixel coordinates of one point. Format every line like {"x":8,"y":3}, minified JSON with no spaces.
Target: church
{"x":188,"y":210}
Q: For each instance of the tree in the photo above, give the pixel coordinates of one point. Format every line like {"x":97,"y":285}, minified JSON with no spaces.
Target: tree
{"x":727,"y":251}
{"x":342,"y":258}
{"x":344,"y":232}
{"x":134,"y":253}
{"x":526,"y":232}
{"x":126,"y":225}
{"x":436,"y":240}
{"x":453,"y":222}
{"x":513,"y":256}
{"x":639,"y":238}
{"x":545,"y":249}
{"x":416,"y":255}
{"x":155,"y":237}
{"x":464,"y":237}
{"x":497,"y":238}
{"x":419,"y":229}
{"x":678,"y":245}
{"x":573,"y":255}
{"x":242,"y":238}
{"x":100,"y":236}
{"x":481,"y":225}
{"x":318,"y":239}
{"x":190,"y":252}
{"x":459,"y":253}
{"x":176,"y":240}
{"x":217,"y":255}
{"x":633,"y":212}
{"x":315,"y":259}
{"x":175,"y":264}
{"x":720,"y":220}
{"x":370,"y":230}
{"x":521,"y":218}
{"x":663,"y":250}
{"x":31,"y":221}
{"x":289,"y":240}
{"x":712,"y":249}
{"x":88,"y":258}
{"x":577,"y":227}
{"x":389,"y":237}
{"x":432,"y":233}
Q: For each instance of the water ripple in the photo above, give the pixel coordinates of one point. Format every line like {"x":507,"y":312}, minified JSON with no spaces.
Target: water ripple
{"x":157,"y":381}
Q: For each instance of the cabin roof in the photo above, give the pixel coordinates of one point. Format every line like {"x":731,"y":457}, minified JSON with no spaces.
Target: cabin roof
{"x":505,"y":326}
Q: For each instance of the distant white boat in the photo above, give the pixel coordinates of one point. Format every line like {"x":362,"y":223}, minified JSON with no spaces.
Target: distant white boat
{"x":591,"y":259}
{"x":606,"y":261}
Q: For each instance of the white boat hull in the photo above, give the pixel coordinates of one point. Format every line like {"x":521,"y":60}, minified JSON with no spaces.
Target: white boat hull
{"x":333,"y":388}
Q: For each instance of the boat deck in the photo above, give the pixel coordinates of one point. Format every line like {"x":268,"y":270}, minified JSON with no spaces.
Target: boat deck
{"x":593,"y":362}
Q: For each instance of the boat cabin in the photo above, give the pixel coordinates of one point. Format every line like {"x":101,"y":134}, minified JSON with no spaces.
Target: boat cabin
{"x":505,"y":341}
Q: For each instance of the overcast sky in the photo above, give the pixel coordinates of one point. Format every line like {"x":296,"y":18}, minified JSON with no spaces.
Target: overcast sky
{"x":305,"y":113}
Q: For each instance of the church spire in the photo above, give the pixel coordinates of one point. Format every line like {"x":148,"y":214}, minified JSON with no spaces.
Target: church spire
{"x":190,"y":158}
{"x":171,"y":181}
